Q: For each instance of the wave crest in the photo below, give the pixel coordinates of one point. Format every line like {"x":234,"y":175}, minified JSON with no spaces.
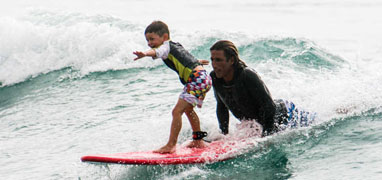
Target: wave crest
{"x":44,"y":41}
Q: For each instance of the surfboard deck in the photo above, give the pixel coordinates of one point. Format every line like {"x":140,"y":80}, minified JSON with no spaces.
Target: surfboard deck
{"x":214,"y":152}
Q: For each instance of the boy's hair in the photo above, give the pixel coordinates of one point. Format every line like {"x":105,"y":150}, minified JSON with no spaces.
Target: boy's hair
{"x":230,"y":50}
{"x":158,"y":27}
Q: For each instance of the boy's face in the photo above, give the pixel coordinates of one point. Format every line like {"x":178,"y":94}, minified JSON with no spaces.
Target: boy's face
{"x":154,"y":40}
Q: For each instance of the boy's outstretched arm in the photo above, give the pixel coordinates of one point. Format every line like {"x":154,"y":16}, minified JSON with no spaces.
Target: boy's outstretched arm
{"x":141,"y":54}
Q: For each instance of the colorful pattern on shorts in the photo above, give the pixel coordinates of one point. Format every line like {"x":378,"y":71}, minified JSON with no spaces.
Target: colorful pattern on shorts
{"x":297,"y":117}
{"x":196,"y":88}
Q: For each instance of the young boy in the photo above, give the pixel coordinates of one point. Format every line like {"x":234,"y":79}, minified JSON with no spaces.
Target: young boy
{"x":192,"y":75}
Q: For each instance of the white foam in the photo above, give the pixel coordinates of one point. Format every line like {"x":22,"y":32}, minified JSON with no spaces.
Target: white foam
{"x":52,"y":41}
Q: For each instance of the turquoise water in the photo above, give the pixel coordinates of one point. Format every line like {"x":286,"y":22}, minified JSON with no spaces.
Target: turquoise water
{"x":69,"y":87}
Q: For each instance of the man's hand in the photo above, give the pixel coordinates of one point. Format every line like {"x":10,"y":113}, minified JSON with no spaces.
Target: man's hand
{"x":204,"y":62}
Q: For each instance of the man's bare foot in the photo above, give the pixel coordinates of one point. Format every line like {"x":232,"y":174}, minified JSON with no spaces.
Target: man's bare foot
{"x":165,"y":149}
{"x":197,"y":144}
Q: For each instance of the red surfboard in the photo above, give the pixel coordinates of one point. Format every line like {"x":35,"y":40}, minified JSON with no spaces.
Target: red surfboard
{"x":214,"y":152}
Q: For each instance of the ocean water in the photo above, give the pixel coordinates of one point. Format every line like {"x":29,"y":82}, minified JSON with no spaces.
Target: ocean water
{"x":69,"y":86}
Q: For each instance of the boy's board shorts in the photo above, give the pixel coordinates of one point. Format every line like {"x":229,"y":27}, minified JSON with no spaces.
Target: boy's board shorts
{"x":296,"y":117}
{"x":196,"y":88}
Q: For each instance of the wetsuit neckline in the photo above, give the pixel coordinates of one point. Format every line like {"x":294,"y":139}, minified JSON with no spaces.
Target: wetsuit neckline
{"x":236,"y":74}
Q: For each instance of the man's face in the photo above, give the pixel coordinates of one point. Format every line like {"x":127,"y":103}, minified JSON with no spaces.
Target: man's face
{"x":154,"y":40}
{"x":221,"y":66}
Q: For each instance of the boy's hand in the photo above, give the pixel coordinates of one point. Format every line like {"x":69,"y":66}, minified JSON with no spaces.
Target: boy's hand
{"x":204,"y":62}
{"x":139,"y":54}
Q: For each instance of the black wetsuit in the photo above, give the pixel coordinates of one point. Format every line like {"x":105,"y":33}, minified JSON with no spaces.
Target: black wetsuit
{"x":247,"y":97}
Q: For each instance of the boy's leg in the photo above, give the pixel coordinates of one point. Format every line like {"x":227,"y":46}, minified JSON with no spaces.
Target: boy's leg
{"x":192,"y":95}
{"x":176,"y":125}
{"x":195,"y":125}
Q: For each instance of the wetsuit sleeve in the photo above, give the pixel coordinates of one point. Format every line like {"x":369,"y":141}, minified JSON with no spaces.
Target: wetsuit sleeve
{"x":260,"y":93}
{"x":221,"y":110}
{"x":222,"y":114}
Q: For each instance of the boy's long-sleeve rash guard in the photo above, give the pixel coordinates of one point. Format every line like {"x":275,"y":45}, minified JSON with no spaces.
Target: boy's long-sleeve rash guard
{"x":177,"y":58}
{"x":246,"y":97}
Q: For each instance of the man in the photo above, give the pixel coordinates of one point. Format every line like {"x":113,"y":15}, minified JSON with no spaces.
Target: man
{"x":239,"y":89}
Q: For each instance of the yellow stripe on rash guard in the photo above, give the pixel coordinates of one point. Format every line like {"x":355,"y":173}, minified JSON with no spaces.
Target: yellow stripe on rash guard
{"x":183,"y":71}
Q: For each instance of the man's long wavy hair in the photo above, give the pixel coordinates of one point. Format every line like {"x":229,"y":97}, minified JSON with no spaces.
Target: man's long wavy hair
{"x":230,"y":51}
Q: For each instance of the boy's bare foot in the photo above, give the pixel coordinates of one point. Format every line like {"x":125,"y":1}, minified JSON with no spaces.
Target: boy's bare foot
{"x":165,"y":149}
{"x":197,"y":144}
